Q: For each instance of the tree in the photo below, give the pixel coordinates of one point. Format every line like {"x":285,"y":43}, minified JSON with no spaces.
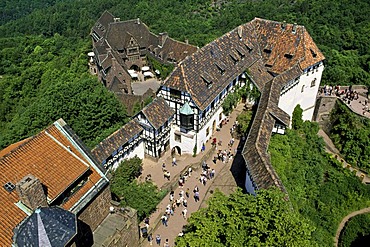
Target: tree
{"x":247,"y":220}
{"x":144,"y":197}
{"x":297,"y":121}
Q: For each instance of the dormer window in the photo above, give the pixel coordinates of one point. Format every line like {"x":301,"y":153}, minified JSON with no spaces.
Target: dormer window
{"x":249,"y":48}
{"x":241,"y":54}
{"x":220,"y":69}
{"x":289,"y":56}
{"x":207,"y":80}
{"x":233,"y":58}
{"x":314,"y":54}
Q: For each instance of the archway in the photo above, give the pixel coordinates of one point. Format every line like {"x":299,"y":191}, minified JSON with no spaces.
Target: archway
{"x":176,"y":150}
{"x":135,"y":67}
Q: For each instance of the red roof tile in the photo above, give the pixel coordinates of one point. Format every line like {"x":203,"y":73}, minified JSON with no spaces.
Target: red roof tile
{"x":50,"y":157}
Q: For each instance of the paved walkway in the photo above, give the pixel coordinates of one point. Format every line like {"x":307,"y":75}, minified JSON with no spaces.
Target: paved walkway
{"x":357,"y":106}
{"x":228,"y":177}
{"x":330,"y":148}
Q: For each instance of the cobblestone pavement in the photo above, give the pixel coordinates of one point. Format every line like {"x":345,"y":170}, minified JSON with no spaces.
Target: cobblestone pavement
{"x":228,"y":177}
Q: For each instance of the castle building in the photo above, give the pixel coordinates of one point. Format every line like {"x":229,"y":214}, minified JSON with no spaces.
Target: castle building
{"x":281,"y":60}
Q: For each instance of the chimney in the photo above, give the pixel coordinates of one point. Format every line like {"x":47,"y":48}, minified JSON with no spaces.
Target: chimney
{"x":162,"y":38}
{"x":138,"y":20}
{"x":31,"y":193}
{"x":116,"y":19}
{"x":294,"y":28}
{"x":186,"y":41}
{"x":283,"y":25}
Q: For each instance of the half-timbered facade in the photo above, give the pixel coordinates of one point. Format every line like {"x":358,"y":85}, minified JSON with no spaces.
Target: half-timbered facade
{"x":156,"y":119}
{"x":125,"y":143}
{"x":280,"y":59}
{"x":120,"y":46}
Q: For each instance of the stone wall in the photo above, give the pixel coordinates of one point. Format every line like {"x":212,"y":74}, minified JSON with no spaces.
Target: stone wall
{"x":128,"y":235}
{"x":324,"y":106}
{"x":97,"y":210}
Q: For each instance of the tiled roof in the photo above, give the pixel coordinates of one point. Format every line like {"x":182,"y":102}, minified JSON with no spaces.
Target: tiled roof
{"x":260,"y":47}
{"x":105,"y":148}
{"x":158,"y":112}
{"x":272,"y":54}
{"x":47,"y":157}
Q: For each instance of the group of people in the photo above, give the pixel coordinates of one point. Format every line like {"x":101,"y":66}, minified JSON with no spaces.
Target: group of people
{"x":223,"y":155}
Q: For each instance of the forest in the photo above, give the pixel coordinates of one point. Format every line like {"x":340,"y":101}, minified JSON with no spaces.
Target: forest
{"x":319,"y":188}
{"x":46,"y":41}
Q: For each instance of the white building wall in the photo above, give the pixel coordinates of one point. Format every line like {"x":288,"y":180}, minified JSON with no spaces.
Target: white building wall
{"x":187,"y":140}
{"x":202,"y":135}
{"x":137,"y":151}
{"x":307,"y":99}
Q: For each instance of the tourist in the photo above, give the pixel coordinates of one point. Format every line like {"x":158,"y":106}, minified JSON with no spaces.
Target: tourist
{"x":187,"y":193}
{"x":174,"y":161}
{"x":166,"y":244}
{"x":150,"y":239}
{"x":158,"y":239}
{"x":184,"y":212}
{"x":164,"y":220}
{"x":196,"y":196}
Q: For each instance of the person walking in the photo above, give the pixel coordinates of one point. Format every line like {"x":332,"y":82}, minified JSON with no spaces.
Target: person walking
{"x":150,"y":239}
{"x":196,"y":196}
{"x":166,"y":244}
{"x":184,"y":212}
{"x":158,"y":239}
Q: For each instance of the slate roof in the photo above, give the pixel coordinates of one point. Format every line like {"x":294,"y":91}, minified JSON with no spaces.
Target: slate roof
{"x":105,"y":148}
{"x":47,"y":226}
{"x":116,"y":34}
{"x":101,"y":26}
{"x":272,"y":54}
{"x":158,"y":112}
{"x":46,"y":156}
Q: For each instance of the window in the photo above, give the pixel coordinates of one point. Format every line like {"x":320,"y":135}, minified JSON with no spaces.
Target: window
{"x":207,"y":131}
{"x":187,"y":121}
{"x":302,"y":89}
{"x":175,"y":93}
{"x":313,"y":82}
{"x":220,"y":117}
{"x":177,"y":137}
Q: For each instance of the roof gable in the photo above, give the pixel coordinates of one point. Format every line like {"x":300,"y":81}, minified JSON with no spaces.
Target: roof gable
{"x":158,"y":112}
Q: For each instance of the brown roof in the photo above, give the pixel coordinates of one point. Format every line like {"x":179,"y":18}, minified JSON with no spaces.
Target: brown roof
{"x":116,"y":140}
{"x":101,"y":26}
{"x":272,"y":54}
{"x":47,"y":157}
{"x":158,"y":112}
{"x":260,"y":47}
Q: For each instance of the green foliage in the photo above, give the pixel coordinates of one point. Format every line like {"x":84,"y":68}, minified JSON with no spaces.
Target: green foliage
{"x":297,"y":121}
{"x":247,"y":220}
{"x":195,"y":150}
{"x":244,"y":122}
{"x":350,"y":134}
{"x":48,"y":80}
{"x":144,"y":197}
{"x":319,"y":188}
{"x":355,"y":229}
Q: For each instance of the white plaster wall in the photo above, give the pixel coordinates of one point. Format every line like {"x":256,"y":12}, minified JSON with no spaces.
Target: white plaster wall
{"x":187,"y":140}
{"x":307,"y":99}
{"x":202,"y":138}
{"x":138,"y":151}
